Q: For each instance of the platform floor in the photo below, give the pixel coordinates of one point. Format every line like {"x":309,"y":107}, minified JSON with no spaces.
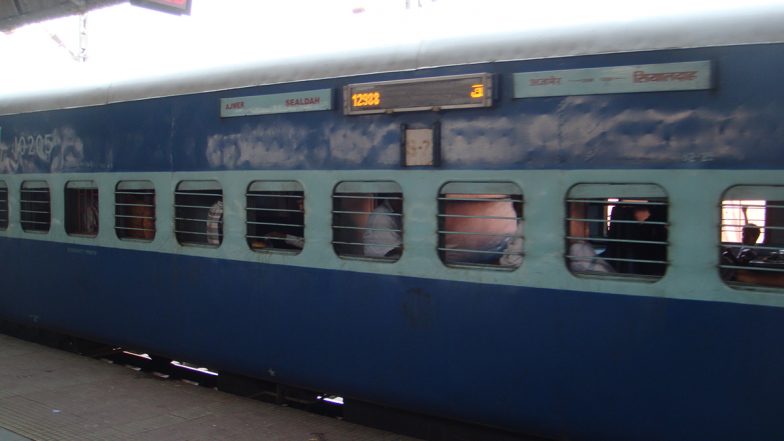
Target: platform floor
{"x":48,"y":394}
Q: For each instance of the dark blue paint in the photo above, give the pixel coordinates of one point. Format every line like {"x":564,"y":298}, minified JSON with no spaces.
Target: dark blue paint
{"x":737,"y":125}
{"x":567,"y":365}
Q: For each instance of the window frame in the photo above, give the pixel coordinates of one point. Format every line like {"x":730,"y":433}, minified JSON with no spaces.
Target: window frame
{"x":766,"y":270}
{"x":35,"y":186}
{"x":348,"y":221}
{"x":78,"y":191}
{"x":192,"y":189}
{"x":630,"y":197}
{"x":285,"y":192}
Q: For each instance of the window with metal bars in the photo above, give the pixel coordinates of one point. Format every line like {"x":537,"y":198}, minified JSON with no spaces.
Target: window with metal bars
{"x":367,"y":220}
{"x":198,"y":213}
{"x":619,"y":229}
{"x":275,"y":216}
{"x":134,"y":210}
{"x":481,"y":224}
{"x":81,"y":208}
{"x":3,"y":206}
{"x":752,"y":236}
{"x":35,"y":206}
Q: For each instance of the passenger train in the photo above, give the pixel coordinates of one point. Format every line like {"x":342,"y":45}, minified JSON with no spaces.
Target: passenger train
{"x":573,"y":233}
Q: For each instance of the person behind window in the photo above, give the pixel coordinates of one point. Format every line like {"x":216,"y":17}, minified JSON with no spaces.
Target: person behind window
{"x":582,"y":255}
{"x":513,"y":254}
{"x":750,"y":235}
{"x":480,"y":229}
{"x":215,"y":223}
{"x":382,"y":236}
{"x":141,"y":222}
{"x":631,"y":226}
{"x":292,"y":234}
{"x":90,"y":215}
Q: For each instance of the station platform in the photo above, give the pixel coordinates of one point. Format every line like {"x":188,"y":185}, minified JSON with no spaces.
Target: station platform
{"x":49,"y":394}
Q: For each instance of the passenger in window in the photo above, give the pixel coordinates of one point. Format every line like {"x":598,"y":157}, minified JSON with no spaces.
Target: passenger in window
{"x":513,"y":255}
{"x":90,"y":217}
{"x":746,"y":253}
{"x":215,"y":224}
{"x":141,"y":222}
{"x":382,"y":236}
{"x":292,"y":235}
{"x":630,"y":227}
{"x":582,"y":257}
{"x":480,"y":230}
{"x":763,"y":270}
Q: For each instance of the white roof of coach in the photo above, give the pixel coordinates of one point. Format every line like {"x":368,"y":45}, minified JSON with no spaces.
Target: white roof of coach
{"x":761,"y":24}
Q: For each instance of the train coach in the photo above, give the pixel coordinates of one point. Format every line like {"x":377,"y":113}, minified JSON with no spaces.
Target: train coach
{"x":576,"y":234}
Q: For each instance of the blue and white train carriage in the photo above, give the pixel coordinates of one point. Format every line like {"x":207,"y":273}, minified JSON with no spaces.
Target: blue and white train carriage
{"x":576,"y":234}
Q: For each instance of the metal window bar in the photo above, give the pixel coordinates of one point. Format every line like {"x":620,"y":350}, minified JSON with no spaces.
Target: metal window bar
{"x":739,"y":228}
{"x":478,"y":199}
{"x":363,"y":212}
{"x":274,"y":210}
{"x":644,"y":201}
{"x":750,"y":205}
{"x":186,"y":206}
{"x":200,"y":220}
{"x":197,"y":233}
{"x":489,"y":247}
{"x":607,"y":240}
{"x":755,"y":269}
{"x":604,"y":221}
{"x":276,"y":224}
{"x":731,"y":245}
{"x":371,"y":196}
{"x":365,"y":249}
{"x":758,"y":264}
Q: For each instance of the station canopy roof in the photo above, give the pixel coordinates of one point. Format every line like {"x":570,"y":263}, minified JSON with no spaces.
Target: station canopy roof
{"x":16,"y":13}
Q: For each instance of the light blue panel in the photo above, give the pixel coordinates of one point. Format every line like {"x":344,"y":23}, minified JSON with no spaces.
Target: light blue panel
{"x":305,"y":101}
{"x":665,"y":77}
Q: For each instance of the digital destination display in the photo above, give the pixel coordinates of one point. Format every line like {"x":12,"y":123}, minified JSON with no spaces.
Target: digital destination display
{"x":435,"y":93}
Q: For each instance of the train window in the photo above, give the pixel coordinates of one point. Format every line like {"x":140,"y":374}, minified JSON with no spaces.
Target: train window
{"x":481,"y":224}
{"x":81,"y":208}
{"x":367,"y":220}
{"x":198,"y":213}
{"x":134,"y":210}
{"x":275,"y":216}
{"x":752,"y":236}
{"x":35,"y":206}
{"x":618,"y":229}
{"x":3,"y":206}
